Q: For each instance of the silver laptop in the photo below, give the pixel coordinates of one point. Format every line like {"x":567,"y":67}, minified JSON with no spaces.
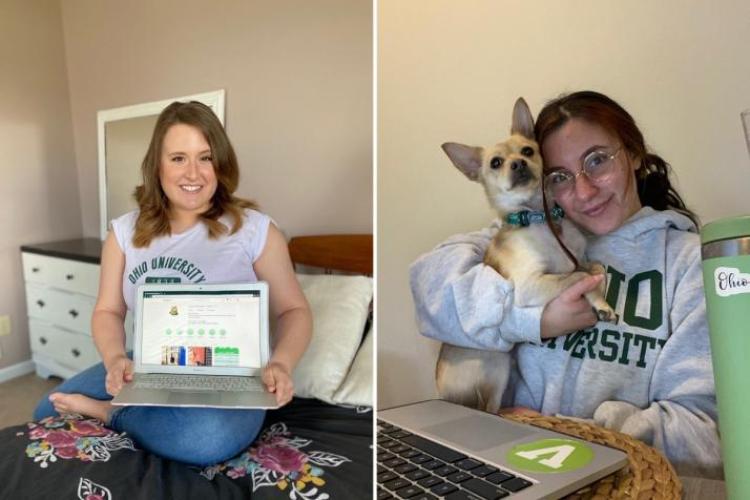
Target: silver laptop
{"x":450,"y":451}
{"x":200,"y":345}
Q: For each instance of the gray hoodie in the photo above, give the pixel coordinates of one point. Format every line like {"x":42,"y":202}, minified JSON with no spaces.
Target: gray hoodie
{"x":648,"y":376}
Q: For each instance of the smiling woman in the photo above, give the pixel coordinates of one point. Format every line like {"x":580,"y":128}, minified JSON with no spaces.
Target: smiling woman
{"x":598,"y":196}
{"x":648,"y":373}
{"x":190,"y":228}
{"x":588,"y":131}
{"x":186,"y":172}
{"x":190,"y":173}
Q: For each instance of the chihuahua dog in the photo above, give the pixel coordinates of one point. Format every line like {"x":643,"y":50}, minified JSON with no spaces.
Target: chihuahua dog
{"x":524,"y":251}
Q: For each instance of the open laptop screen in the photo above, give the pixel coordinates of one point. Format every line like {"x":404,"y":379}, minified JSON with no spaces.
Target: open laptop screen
{"x":201,"y":328}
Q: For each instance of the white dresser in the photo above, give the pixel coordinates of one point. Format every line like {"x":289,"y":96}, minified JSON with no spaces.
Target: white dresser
{"x":62,"y":281}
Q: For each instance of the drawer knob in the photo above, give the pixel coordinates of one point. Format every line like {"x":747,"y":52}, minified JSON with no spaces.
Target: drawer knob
{"x":35,"y":269}
{"x":73,"y":313}
{"x":75,"y":352}
{"x":40,"y":303}
{"x":42,"y":340}
{"x":69,"y":277}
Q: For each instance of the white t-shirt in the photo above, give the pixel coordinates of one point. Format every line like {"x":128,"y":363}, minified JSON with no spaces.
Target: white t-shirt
{"x":191,"y":256}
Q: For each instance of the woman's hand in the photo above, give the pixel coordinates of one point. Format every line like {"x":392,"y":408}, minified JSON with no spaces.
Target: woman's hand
{"x":119,"y":371}
{"x":278,"y":380}
{"x":570,"y":311}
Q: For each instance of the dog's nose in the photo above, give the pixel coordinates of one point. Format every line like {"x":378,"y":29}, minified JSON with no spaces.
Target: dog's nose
{"x":519,"y":164}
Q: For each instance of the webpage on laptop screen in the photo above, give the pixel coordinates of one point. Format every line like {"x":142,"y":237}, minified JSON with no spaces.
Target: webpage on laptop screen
{"x":201,"y":328}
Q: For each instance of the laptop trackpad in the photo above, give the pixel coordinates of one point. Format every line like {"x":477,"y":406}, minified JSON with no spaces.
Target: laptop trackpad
{"x":187,"y":397}
{"x":478,"y":433}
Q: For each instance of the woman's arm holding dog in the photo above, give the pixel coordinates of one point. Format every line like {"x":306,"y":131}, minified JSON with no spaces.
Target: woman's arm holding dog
{"x":681,"y":419}
{"x":461,"y":301}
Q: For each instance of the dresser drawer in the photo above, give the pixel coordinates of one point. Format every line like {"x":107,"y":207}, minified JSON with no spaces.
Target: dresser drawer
{"x":72,"y":275}
{"x":69,"y":310}
{"x":71,"y":349}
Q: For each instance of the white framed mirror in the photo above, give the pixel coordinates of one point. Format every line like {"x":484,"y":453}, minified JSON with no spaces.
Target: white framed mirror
{"x":123,"y":135}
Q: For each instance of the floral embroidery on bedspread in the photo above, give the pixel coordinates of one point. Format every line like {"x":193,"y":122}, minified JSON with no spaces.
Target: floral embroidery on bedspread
{"x":89,"y":490}
{"x":72,"y":436}
{"x":276,"y":459}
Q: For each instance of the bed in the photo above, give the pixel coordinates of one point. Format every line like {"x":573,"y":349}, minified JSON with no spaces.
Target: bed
{"x":317,"y":447}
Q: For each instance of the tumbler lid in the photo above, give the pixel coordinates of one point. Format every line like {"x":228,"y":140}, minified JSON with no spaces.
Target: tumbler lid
{"x":726,"y":229}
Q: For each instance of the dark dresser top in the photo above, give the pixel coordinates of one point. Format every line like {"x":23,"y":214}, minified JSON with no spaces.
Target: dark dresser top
{"x":81,"y":249}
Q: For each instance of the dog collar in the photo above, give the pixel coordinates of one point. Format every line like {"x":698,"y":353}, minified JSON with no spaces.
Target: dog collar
{"x":525,"y":218}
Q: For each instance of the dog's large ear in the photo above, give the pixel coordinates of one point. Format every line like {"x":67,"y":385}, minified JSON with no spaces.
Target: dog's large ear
{"x":468,"y":159}
{"x":523,"y":122}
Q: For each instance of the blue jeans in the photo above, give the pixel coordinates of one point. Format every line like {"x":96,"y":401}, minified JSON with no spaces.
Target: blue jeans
{"x":197,"y":436}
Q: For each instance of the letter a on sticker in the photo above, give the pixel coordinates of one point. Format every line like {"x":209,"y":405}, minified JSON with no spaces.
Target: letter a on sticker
{"x":556,"y":461}
{"x":550,"y":455}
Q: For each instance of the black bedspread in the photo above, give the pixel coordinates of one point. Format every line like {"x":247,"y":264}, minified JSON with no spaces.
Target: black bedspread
{"x":307,"y":450}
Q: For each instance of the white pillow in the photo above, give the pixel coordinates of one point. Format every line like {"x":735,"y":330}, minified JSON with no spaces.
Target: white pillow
{"x":340,"y":306}
{"x":356,"y":389}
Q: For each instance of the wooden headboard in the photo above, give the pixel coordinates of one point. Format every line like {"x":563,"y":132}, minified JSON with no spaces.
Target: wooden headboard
{"x":334,"y":252}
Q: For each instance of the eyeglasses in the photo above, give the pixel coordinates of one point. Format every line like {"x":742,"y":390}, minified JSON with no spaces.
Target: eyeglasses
{"x":598,"y":166}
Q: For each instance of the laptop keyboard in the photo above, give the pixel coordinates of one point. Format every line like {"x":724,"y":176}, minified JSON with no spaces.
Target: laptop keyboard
{"x":410,"y":466}
{"x":199,"y":383}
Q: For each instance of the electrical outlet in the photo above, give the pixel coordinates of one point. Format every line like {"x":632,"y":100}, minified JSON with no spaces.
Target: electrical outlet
{"x":4,"y":325}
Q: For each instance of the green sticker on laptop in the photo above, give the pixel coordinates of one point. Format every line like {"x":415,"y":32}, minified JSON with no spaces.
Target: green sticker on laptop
{"x":550,"y":455}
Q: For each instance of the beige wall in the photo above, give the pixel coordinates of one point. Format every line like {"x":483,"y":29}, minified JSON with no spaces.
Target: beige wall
{"x":39,"y":188}
{"x":452,"y":70}
{"x":298,"y":80}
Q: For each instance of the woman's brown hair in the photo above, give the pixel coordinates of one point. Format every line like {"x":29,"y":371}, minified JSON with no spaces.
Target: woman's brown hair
{"x":652,"y":178}
{"x":153,"y":219}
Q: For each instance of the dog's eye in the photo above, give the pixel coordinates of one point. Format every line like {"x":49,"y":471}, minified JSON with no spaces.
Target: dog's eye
{"x":527,"y":151}
{"x":496,"y":162}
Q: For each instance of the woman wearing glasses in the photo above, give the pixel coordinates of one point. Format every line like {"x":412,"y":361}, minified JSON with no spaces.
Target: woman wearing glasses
{"x":649,"y":375}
